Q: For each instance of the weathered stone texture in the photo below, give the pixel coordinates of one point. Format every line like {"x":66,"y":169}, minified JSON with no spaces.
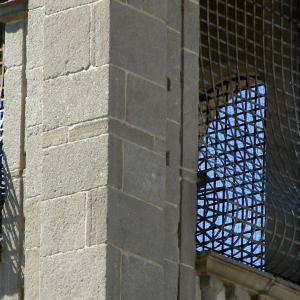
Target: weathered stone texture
{"x":32,"y":274}
{"x":32,"y":223}
{"x":74,"y":275}
{"x":129,"y":226}
{"x":67,"y":42}
{"x":146,"y":105}
{"x":34,"y":162}
{"x":137,"y":48}
{"x":35,"y":37}
{"x":96,"y":222}
{"x":34,"y":97}
{"x":53,"y":6}
{"x":63,"y":224}
{"x":144,"y":174}
{"x":76,"y":98}
{"x":141,"y":280}
{"x":74,"y":167}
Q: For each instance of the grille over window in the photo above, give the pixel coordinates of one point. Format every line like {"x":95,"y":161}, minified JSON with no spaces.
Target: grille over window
{"x":249,"y":133}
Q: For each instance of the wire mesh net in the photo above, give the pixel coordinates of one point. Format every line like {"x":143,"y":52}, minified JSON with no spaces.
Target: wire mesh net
{"x":249,"y":138}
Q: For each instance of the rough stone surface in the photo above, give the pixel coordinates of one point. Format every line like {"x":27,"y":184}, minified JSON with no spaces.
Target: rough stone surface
{"x":53,"y":6}
{"x":96,"y":224}
{"x":63,"y":224}
{"x":129,"y":222}
{"x":144,"y":174}
{"x":138,"y":48}
{"x":67,"y":42}
{"x":88,"y":129}
{"x":32,"y":223}
{"x":75,"y":167}
{"x":76,"y":98}
{"x":34,"y":162}
{"x":31,"y":274}
{"x":141,"y":280}
{"x":14,"y":44}
{"x":146,"y":105}
{"x":34,"y":97}
{"x":74,"y":275}
{"x":35,"y":37}
{"x":55,"y":137}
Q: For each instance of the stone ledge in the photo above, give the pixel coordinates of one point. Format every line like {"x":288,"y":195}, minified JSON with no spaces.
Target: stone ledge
{"x":13,"y":10}
{"x":256,"y":282}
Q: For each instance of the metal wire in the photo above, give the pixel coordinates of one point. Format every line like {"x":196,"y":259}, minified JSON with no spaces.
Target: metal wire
{"x":249,"y":133}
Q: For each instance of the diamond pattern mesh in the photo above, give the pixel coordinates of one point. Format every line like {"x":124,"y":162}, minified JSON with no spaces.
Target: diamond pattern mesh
{"x":249,"y":138}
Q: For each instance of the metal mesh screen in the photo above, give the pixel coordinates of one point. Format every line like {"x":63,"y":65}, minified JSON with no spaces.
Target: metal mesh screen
{"x":249,"y":138}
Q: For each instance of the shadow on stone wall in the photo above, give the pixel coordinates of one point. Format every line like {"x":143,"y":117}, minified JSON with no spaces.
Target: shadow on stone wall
{"x":12,"y":260}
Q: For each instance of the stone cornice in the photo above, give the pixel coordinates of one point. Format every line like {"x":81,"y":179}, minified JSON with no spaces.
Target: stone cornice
{"x":255,"y":281}
{"x":13,"y":10}
{"x":10,"y":3}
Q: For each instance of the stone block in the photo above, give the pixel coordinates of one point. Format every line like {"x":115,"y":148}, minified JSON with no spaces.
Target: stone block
{"x":144,"y":174}
{"x":32,"y":4}
{"x":172,"y":171}
{"x":102,"y":33}
{"x":34,"y":162}
{"x":75,"y":98}
{"x":35,"y":38}
{"x":13,"y":109}
{"x":115,"y":162}
{"x":75,"y":167}
{"x":135,"y":226}
{"x":188,"y":223}
{"x":14,"y":44}
{"x":190,"y":112}
{"x":174,"y":14}
{"x":67,"y":42}
{"x":96,"y":224}
{"x":173,"y":73}
{"x":63,"y":224}
{"x":212,"y":288}
{"x":130,"y":133}
{"x":137,"y":42}
{"x":171,"y":271}
{"x":160,"y":146}
{"x":117,"y":93}
{"x":32,"y":223}
{"x":237,"y":293}
{"x":55,"y":137}
{"x":191,"y":26}
{"x":113,"y":277}
{"x":88,"y":129}
{"x":53,"y":6}
{"x":171,"y":217}
{"x":156,"y":8}
{"x":34,"y":97}
{"x":146,"y":105}
{"x":188,"y":283}
{"x":74,"y":275}
{"x":141,"y":280}
{"x":32,"y":274}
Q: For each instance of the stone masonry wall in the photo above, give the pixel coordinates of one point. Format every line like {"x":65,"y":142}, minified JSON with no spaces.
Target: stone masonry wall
{"x":67,"y":152}
{"x":110,"y":136}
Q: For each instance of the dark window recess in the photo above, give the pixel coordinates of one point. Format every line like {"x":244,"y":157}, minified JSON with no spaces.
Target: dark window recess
{"x":231,"y":177}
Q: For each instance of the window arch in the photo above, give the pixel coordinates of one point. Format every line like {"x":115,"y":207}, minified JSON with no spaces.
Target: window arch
{"x":231,"y":171}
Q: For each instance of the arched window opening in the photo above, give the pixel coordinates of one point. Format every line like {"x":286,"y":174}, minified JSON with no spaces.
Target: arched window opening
{"x":231,"y":172}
